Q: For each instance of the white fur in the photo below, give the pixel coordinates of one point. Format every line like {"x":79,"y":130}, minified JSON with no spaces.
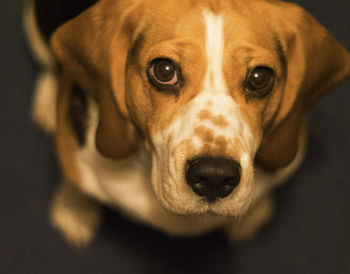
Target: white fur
{"x":214,"y":44}
{"x":45,"y":101}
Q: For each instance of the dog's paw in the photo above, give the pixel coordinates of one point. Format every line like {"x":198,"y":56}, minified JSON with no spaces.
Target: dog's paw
{"x":249,"y":224}
{"x":75,"y":215}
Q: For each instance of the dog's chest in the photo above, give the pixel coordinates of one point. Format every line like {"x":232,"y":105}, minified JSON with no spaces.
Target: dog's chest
{"x":124,"y":183}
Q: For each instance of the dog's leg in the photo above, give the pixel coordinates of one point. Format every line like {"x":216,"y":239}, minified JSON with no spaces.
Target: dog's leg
{"x":248,"y":225}
{"x":75,"y":215}
{"x":46,"y":87}
{"x":45,"y":100}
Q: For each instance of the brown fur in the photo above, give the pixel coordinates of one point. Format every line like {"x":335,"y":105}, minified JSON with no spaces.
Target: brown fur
{"x":217,"y":120}
{"x":213,"y":144}
{"x":309,"y":77}
{"x":115,"y":137}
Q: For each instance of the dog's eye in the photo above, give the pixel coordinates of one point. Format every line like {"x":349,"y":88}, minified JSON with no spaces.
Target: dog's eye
{"x":164,"y":74}
{"x":260,"y":80}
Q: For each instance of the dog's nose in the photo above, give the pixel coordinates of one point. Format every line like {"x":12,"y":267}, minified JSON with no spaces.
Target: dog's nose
{"x":212,"y":177}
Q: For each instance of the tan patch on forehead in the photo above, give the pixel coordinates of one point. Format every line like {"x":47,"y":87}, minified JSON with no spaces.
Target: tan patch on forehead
{"x":219,"y":147}
{"x":218,"y":120}
{"x":212,"y":145}
{"x":205,"y":134}
{"x":213,"y":150}
{"x":220,"y":141}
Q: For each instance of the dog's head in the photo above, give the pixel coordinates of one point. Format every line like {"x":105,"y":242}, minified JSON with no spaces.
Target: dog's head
{"x":212,"y":86}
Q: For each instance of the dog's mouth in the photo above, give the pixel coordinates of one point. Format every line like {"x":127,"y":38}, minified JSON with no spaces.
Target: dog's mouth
{"x":217,"y":185}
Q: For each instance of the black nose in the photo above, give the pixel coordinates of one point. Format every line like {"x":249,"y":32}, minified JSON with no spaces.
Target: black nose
{"x":212,"y":177}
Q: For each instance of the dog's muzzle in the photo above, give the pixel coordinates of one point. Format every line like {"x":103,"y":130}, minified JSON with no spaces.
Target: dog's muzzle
{"x":212,"y":177}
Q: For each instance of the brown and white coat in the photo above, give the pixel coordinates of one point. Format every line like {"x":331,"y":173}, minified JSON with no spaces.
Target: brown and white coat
{"x":126,"y":142}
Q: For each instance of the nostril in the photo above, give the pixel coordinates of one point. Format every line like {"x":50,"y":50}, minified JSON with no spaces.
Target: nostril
{"x":212,"y":177}
{"x":228,"y":184}
{"x":199,"y":185}
{"x":227,"y":187}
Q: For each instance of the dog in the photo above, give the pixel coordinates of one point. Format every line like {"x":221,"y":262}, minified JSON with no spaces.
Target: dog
{"x":184,"y":115}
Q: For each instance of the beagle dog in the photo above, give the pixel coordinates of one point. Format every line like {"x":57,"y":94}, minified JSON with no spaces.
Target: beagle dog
{"x":184,"y":115}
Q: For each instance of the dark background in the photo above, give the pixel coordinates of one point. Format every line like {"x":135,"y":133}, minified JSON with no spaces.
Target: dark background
{"x":310,"y":232}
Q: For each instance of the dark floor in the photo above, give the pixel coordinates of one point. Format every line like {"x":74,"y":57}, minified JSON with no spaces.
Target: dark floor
{"x":309,"y":234}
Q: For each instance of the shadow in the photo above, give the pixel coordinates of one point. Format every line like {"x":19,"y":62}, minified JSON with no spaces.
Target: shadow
{"x":315,"y":152}
{"x":158,"y":253}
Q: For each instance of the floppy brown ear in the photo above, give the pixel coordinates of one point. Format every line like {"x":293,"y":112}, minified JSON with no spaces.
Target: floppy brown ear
{"x":315,"y":63}
{"x":85,"y":46}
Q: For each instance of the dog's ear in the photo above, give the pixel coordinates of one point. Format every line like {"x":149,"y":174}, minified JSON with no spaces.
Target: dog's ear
{"x":86,"y":46}
{"x":315,"y":63}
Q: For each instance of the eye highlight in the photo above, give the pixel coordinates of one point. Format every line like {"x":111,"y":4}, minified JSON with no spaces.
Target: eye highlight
{"x":259,"y":81}
{"x":164,"y":74}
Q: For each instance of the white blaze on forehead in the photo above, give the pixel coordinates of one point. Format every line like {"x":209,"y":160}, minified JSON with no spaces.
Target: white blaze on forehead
{"x":214,"y":98}
{"x":214,"y":44}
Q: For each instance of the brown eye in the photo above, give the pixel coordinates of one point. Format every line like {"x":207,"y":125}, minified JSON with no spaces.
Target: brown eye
{"x":260,"y":80}
{"x":164,"y":74}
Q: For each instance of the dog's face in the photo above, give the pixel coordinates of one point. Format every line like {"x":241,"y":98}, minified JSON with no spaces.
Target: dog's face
{"x":209,"y":86}
{"x":203,"y":102}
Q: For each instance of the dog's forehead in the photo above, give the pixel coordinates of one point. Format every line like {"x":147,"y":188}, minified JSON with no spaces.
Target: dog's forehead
{"x":186,"y":32}
{"x":241,"y":19}
{"x":213,"y":47}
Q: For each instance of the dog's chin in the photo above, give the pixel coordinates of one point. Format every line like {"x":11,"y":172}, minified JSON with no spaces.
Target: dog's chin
{"x":187,"y":203}
{"x":177,"y":197}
